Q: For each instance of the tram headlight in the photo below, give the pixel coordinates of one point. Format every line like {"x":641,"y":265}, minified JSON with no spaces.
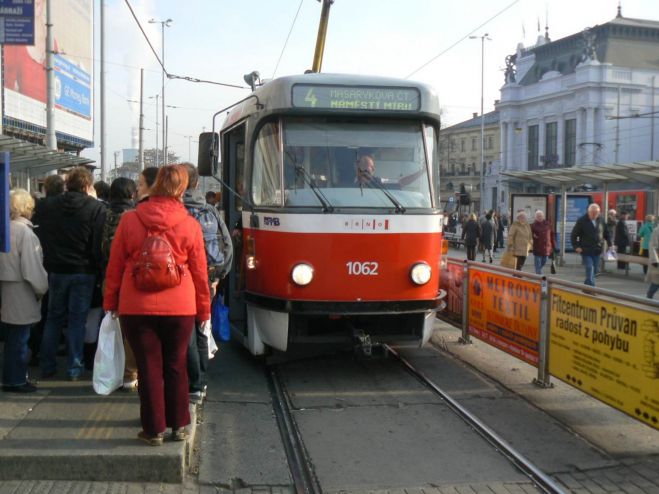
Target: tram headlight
{"x":302,"y":274}
{"x":420,"y":273}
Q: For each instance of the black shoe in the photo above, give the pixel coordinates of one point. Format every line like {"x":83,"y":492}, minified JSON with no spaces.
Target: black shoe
{"x":23,"y":388}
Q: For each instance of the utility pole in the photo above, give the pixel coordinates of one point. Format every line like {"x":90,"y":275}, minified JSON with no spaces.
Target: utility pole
{"x":482,"y":173}
{"x":163,"y":24}
{"x":618,"y":129}
{"x":157,"y":132}
{"x":103,"y":122}
{"x":51,"y":137}
{"x":164,"y":148}
{"x":140,"y":158}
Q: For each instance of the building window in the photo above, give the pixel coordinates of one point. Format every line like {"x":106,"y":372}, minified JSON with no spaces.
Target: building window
{"x":570,"y":151}
{"x":532,"y":147}
{"x":473,"y":144}
{"x":490,"y":142}
{"x":462,"y":145}
{"x":551,"y":144}
{"x":452,"y":145}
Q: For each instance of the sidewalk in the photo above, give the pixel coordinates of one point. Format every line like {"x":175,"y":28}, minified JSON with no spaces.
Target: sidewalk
{"x":65,"y":431}
{"x":611,"y":279}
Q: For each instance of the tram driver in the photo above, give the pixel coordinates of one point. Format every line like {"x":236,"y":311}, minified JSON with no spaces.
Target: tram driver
{"x":365,"y":170}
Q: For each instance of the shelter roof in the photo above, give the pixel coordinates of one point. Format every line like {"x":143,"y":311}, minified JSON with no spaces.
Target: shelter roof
{"x":645,"y":172}
{"x":36,"y":158}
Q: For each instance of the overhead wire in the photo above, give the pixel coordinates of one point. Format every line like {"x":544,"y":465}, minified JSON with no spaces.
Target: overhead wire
{"x":462,"y":39}
{"x":287,"y":38}
{"x":173,"y":76}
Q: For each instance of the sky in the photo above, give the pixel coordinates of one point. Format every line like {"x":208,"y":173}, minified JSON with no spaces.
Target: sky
{"x":221,"y":40}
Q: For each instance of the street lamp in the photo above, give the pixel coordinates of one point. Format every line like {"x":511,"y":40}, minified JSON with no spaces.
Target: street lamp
{"x":163,"y":24}
{"x":482,"y":179}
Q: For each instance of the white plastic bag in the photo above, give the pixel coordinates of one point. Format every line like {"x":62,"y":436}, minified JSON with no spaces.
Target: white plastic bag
{"x":110,"y":358}
{"x":212,"y":345}
{"x":611,"y":255}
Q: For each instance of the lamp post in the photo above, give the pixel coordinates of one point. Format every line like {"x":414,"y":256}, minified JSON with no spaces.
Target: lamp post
{"x":163,"y":24}
{"x":482,"y":173}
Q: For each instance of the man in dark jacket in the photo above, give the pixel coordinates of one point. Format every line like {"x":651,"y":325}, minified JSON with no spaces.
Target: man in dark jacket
{"x":622,"y":238}
{"x":588,"y":236}
{"x":220,"y":252}
{"x":66,"y":230}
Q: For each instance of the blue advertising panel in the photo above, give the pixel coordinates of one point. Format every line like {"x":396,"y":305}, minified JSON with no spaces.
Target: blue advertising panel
{"x":73,"y":88}
{"x":17,"y":22}
{"x":576,"y":207}
{"x":5,"y":244}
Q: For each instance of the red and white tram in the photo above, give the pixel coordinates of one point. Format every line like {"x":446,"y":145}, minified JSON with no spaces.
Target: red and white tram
{"x":334,"y":190}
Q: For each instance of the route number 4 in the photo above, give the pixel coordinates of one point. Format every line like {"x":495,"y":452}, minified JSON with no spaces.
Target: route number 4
{"x":356,"y":268}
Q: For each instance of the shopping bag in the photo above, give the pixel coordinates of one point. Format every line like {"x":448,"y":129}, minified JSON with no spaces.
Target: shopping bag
{"x":611,"y":255}
{"x":508,"y":260}
{"x":212,"y":345}
{"x":110,"y":358}
{"x":220,"y":320}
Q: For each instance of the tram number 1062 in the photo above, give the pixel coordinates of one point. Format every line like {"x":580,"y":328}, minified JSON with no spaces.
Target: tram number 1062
{"x":368,"y":268}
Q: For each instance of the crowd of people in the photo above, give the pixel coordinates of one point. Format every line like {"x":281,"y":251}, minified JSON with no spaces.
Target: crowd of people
{"x":151,"y":253}
{"x":592,"y":237}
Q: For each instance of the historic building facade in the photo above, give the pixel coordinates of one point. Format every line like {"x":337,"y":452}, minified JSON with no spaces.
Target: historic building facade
{"x":586,"y":99}
{"x":460,"y":153}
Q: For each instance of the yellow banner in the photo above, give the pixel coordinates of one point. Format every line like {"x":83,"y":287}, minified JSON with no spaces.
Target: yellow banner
{"x":607,"y":350}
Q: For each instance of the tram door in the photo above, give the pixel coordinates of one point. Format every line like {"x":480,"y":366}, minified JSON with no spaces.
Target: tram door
{"x":234,"y":173}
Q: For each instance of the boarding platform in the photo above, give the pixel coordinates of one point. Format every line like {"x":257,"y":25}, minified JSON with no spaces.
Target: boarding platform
{"x":65,"y":431}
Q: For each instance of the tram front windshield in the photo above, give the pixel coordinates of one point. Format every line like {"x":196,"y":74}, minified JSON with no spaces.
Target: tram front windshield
{"x":344,"y":165}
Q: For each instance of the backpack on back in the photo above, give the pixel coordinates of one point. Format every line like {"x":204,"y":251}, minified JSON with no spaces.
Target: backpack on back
{"x":213,"y":240}
{"x":156,"y":268}
{"x":107,"y":234}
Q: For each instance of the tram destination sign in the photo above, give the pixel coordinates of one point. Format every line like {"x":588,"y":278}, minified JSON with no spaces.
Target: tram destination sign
{"x":327,"y":97}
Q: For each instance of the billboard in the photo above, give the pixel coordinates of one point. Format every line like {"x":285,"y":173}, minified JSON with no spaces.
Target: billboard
{"x":576,"y":207}
{"x":608,"y":350}
{"x":17,"y":22}
{"x":504,"y":311}
{"x":25,"y":73}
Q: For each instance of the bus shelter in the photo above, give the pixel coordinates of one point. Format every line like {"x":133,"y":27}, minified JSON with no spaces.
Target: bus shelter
{"x":27,"y":159}
{"x":644,"y":173}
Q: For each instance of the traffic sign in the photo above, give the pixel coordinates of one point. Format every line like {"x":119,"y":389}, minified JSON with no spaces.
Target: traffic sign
{"x":17,"y":22}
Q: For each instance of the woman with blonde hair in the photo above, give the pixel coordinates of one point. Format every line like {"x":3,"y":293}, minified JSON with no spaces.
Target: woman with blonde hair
{"x":158,"y":320}
{"x":23,"y":281}
{"x":520,"y":239}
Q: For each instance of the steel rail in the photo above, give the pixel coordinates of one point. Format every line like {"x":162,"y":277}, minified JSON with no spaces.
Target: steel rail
{"x":540,"y":479}
{"x":299,"y":462}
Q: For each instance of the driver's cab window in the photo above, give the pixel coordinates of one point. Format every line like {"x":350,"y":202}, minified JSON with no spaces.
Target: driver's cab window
{"x":266,"y":177}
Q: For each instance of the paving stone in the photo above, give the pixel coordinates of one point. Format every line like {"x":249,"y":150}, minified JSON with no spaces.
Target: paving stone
{"x":464,"y":489}
{"x":9,"y":487}
{"x":569,"y":481}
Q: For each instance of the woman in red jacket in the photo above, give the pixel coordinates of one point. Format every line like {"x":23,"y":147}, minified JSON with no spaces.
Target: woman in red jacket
{"x":544,"y":241}
{"x":158,"y":324}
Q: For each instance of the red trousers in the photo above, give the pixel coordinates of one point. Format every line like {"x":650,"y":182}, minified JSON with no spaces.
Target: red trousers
{"x":160,"y":345}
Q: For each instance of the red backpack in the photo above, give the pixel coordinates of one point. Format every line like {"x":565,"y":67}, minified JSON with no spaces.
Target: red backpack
{"x":156,"y":268}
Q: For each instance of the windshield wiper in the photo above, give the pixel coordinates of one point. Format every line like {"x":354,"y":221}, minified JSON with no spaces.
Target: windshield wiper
{"x":309,"y":180}
{"x":373,"y":181}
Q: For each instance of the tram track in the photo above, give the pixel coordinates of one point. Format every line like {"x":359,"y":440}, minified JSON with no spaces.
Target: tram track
{"x":300,"y":462}
{"x":539,"y":478}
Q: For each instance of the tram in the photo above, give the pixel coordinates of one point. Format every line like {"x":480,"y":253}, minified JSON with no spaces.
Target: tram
{"x":332,"y":184}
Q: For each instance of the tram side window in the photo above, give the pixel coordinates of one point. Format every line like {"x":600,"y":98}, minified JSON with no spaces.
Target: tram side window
{"x":431,"y":144}
{"x":266,"y":178}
